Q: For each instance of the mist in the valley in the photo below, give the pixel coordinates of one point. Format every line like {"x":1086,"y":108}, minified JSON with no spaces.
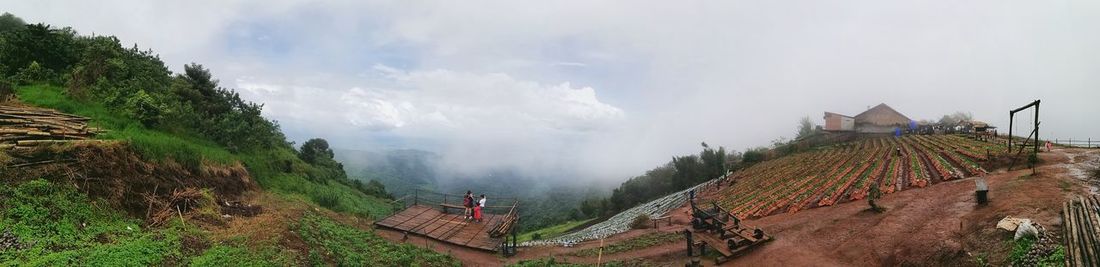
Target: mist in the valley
{"x":569,"y":95}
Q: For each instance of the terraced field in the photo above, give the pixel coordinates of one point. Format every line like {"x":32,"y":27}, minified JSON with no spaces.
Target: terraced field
{"x":848,"y":171}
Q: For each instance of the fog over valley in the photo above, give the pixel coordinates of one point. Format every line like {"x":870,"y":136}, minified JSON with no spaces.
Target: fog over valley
{"x":607,"y":95}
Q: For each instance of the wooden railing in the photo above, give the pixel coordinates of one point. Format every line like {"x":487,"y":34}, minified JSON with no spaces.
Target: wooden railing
{"x":447,"y":202}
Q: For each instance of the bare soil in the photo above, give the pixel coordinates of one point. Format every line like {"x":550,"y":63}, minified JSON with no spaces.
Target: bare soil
{"x":115,"y":172}
{"x":940,"y":225}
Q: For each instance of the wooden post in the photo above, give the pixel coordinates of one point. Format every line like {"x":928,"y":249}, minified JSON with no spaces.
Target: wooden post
{"x":599,"y":256}
{"x":1010,"y":119}
{"x":1036,"y":149}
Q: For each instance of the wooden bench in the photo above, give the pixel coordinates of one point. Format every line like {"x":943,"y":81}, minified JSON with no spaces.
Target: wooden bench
{"x":446,"y":206}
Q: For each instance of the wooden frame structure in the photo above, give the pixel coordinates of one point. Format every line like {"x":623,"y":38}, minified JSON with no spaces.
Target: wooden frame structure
{"x":1034,"y":132}
{"x":432,"y":215}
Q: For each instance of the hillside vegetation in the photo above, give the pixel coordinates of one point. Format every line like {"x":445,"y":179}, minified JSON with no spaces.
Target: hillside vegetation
{"x":174,"y":136}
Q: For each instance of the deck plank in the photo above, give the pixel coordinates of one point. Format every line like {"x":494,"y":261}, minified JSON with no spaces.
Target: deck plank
{"x":451,"y":228}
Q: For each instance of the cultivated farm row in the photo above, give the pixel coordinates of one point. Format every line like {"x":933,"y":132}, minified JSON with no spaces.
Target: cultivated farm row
{"x":848,"y":171}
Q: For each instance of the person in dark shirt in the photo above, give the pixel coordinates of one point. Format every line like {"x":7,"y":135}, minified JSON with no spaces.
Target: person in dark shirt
{"x":468,"y":203}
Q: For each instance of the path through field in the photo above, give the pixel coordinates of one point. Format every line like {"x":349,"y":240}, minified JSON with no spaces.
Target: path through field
{"x":939,"y":225}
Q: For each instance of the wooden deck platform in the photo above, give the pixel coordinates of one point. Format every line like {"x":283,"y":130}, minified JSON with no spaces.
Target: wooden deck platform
{"x":447,"y":227}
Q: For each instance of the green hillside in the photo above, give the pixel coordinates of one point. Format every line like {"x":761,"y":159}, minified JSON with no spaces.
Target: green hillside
{"x":188,"y":124}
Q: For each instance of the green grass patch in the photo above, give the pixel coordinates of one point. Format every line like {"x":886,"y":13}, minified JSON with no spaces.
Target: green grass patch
{"x":280,"y":171}
{"x":238,"y":255}
{"x":59,"y":226}
{"x":551,"y":231}
{"x":553,"y":262}
{"x":546,"y":262}
{"x":56,"y":225}
{"x":640,"y":242}
{"x":335,"y":243}
{"x":1021,"y":247}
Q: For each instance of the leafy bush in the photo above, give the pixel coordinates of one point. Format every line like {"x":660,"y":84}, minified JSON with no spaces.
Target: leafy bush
{"x":640,"y":222}
{"x":372,"y":188}
{"x":145,"y":108}
{"x":34,"y":73}
{"x":328,"y":200}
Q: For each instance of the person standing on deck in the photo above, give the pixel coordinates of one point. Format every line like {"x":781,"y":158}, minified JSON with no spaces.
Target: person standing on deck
{"x":468,"y":203}
{"x":479,"y":208}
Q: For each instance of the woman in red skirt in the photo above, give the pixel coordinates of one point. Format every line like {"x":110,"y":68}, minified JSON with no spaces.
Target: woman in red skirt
{"x":478,"y":207}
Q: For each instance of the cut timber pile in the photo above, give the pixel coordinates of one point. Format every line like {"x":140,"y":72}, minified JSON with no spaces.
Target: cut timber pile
{"x":30,"y":126}
{"x":505,"y":226}
{"x":1082,"y":231}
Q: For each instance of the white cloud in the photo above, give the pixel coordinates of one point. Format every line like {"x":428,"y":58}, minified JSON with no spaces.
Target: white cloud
{"x":442,"y":100}
{"x":488,"y":78}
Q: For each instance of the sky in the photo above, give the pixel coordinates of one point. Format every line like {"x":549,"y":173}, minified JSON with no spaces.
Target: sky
{"x":608,"y":89}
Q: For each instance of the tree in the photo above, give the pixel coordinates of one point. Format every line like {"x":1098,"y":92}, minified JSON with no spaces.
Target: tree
{"x":955,"y":118}
{"x":754,"y":155}
{"x":714,"y":162}
{"x":875,"y":194}
{"x":9,"y":22}
{"x":315,"y":151}
{"x":805,"y":127}
{"x":53,"y":48}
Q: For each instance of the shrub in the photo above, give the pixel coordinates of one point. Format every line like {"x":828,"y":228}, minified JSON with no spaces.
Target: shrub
{"x":640,"y":222}
{"x":328,"y":200}
{"x":5,"y":90}
{"x":536,"y":236}
{"x":144,"y":108}
{"x":33,"y":73}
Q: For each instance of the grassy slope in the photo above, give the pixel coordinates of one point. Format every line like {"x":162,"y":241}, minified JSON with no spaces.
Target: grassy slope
{"x":60,"y":226}
{"x":552,"y":231}
{"x":192,"y":151}
{"x":63,"y":227}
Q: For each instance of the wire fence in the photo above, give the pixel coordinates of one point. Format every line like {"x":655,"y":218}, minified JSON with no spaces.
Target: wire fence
{"x":1086,"y":143}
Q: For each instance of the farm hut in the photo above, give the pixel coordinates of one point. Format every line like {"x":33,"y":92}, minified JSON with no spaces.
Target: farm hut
{"x":880,"y":119}
{"x":836,"y":122}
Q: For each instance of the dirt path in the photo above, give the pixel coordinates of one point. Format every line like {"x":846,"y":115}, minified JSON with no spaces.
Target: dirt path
{"x":938,"y":225}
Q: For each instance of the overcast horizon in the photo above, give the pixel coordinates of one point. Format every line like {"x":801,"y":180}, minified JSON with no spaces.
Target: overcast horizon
{"x":611,"y":89}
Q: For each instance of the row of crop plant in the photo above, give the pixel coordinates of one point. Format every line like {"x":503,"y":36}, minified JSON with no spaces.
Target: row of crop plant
{"x":847,"y":171}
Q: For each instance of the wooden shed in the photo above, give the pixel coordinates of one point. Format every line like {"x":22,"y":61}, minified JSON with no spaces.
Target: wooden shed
{"x":838,"y":123}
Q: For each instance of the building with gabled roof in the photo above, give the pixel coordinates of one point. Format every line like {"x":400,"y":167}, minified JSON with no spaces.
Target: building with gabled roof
{"x":878,"y":119}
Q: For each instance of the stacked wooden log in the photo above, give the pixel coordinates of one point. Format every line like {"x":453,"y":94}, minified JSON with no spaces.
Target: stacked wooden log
{"x":505,"y":225}
{"x":1081,"y":217}
{"x":30,"y":126}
